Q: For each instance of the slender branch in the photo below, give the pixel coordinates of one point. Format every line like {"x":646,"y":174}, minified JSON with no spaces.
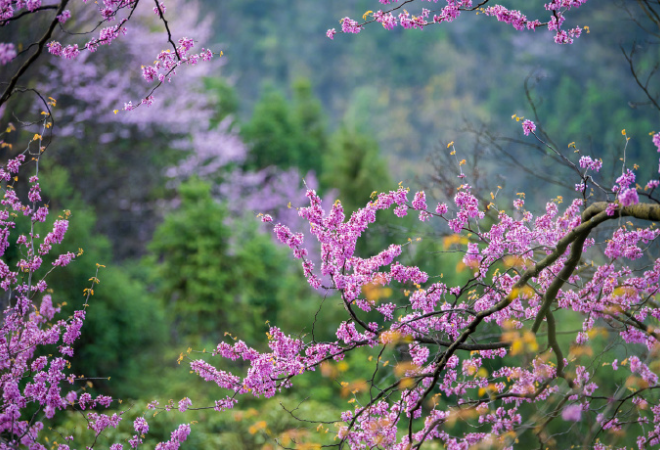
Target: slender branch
{"x":25,"y":13}
{"x":629,"y":58}
{"x":40,"y":46}
{"x":167,"y":27}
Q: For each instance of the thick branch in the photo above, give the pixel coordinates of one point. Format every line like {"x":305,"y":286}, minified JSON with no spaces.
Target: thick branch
{"x":591,"y":218}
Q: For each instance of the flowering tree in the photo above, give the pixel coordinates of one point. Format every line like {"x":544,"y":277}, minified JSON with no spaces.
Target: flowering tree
{"x":495,"y":353}
{"x":36,"y":344}
{"x":471,"y":350}
{"x":495,"y":360}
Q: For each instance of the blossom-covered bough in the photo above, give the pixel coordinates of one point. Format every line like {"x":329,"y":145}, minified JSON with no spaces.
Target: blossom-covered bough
{"x":396,"y":14}
{"x":35,"y":342}
{"x":472,"y":349}
{"x":498,"y":353}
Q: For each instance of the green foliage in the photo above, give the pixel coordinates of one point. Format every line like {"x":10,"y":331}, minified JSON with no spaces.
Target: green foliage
{"x":279,"y":135}
{"x":216,"y":274}
{"x":308,"y":112}
{"x":124,"y":325}
{"x":226,"y":99}
{"x":353,"y":166}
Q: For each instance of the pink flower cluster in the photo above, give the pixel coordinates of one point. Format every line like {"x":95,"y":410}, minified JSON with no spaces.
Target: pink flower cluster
{"x":34,"y":343}
{"x":528,"y":127}
{"x":7,"y":53}
{"x":452,"y":10}
{"x":537,"y":248}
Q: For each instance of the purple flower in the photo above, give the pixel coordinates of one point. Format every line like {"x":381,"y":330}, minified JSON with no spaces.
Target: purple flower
{"x":184,"y":404}
{"x":629,"y":197}
{"x":419,"y":203}
{"x":349,"y":25}
{"x":7,"y":53}
{"x":66,"y":15}
{"x":572,"y":413}
{"x":141,"y":426}
{"x":528,"y":127}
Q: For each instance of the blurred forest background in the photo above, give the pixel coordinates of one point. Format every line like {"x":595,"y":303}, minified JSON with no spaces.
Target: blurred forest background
{"x":166,"y":197}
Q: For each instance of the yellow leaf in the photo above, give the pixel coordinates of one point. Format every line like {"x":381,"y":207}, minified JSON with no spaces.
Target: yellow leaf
{"x":450,"y":144}
{"x":364,"y":16}
{"x":623,"y":132}
{"x":406,"y":383}
{"x":462,"y":162}
{"x":516,"y":347}
{"x":115,"y":111}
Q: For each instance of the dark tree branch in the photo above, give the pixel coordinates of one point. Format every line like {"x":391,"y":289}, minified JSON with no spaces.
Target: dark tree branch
{"x":25,"y":13}
{"x":40,"y":46}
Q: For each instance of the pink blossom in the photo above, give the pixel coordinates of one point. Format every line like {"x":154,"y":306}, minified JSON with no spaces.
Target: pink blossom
{"x":184,"y":404}
{"x":66,"y":15}
{"x":141,"y":426}
{"x":349,"y":25}
{"x":628,"y":197}
{"x":419,"y":202}
{"x":7,"y":53}
{"x":528,"y":127}
{"x":572,"y":413}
